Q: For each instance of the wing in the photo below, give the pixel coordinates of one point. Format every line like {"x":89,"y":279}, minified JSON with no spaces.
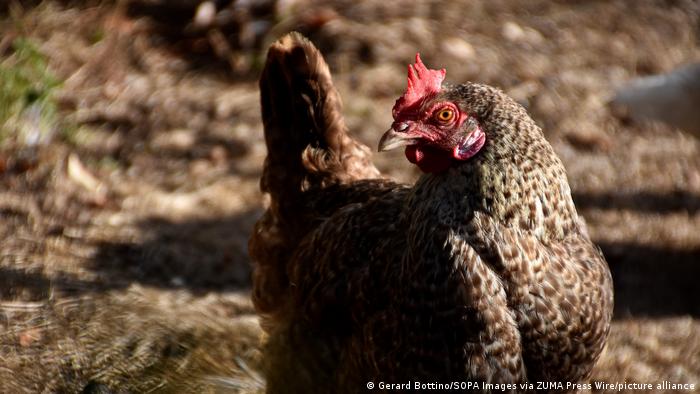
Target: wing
{"x":318,"y":210}
{"x":454,"y":312}
{"x":560,"y":291}
{"x":340,"y":264}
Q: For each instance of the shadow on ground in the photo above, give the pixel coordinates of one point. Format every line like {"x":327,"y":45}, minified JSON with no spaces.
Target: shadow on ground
{"x":654,"y":282}
{"x":650,"y":281}
{"x":201,"y":255}
{"x":30,"y":285}
{"x":680,"y":200}
{"x":211,"y":255}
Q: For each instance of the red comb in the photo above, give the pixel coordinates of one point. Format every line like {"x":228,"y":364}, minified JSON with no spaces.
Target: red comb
{"x":422,"y":82}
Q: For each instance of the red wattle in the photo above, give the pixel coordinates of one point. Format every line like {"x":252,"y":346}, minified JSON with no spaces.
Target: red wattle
{"x":428,"y":159}
{"x":413,"y":154}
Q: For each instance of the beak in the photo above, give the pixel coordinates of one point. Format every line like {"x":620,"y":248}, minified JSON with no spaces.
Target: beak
{"x":393,"y":139}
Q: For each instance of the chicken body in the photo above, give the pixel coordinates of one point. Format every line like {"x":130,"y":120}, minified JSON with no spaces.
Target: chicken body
{"x":483,"y":272}
{"x":672,"y":98}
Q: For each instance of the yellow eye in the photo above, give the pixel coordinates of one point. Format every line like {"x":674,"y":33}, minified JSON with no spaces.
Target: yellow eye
{"x":445,"y":115}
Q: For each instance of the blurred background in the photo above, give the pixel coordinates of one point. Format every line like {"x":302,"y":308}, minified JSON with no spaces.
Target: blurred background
{"x":131,"y":148}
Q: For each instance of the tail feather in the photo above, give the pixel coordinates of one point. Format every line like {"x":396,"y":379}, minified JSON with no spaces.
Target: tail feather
{"x":308,"y":148}
{"x":305,"y":131}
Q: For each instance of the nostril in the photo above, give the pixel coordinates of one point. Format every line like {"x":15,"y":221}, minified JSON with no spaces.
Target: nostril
{"x":402,"y":126}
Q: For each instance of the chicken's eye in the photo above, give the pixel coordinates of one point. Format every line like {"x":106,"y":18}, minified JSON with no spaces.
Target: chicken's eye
{"x":445,"y":115}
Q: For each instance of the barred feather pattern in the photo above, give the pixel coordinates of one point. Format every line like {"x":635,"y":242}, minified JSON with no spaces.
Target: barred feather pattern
{"x":484,"y":272}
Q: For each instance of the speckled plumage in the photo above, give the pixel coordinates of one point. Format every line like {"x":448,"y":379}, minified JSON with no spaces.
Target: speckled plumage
{"x":484,"y":272}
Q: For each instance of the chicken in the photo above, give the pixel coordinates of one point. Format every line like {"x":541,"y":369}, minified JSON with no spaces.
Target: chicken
{"x":482,"y":271}
{"x":672,"y":98}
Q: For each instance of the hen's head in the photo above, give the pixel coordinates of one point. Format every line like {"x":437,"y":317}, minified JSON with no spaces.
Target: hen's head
{"x":439,"y":126}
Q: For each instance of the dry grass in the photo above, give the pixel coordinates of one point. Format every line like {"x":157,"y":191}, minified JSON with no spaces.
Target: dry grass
{"x":123,"y":261}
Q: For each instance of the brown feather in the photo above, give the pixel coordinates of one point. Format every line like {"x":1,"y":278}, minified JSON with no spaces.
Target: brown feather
{"x":484,"y":272}
{"x":304,"y":127}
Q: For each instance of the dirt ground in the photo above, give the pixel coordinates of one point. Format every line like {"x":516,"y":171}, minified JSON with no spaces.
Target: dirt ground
{"x":131,"y":148}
